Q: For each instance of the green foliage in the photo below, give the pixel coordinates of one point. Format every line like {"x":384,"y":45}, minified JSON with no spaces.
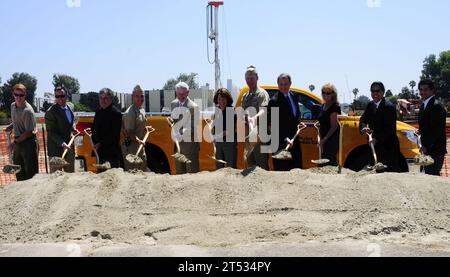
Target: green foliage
{"x":24,"y":78}
{"x":81,"y":108}
{"x":408,"y":94}
{"x":4,"y":115}
{"x":438,"y":70}
{"x":361,"y":103}
{"x":355,"y":92}
{"x":91,"y":101}
{"x":312,"y":88}
{"x":187,"y":78}
{"x":69,"y":82}
{"x":389,"y":93}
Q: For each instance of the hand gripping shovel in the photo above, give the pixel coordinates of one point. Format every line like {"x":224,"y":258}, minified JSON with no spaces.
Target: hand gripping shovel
{"x":213,"y":157}
{"x":11,"y":168}
{"x":178,"y":156}
{"x":320,"y":161}
{"x":60,"y":163}
{"x":422,"y":159}
{"x":285,"y":154}
{"x":100,"y":167}
{"x":135,"y":160}
{"x":378,"y":166}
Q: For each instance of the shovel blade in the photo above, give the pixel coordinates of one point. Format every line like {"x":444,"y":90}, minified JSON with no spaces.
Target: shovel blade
{"x":423,"y":160}
{"x":320,"y":162}
{"x":12,"y":169}
{"x":58,"y":162}
{"x":283,"y":156}
{"x":181,"y":158}
{"x":104,"y":166}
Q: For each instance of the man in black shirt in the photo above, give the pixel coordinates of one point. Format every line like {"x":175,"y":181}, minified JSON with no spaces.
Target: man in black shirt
{"x":106,"y":130}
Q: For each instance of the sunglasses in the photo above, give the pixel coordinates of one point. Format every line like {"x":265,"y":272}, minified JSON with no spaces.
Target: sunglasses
{"x":60,"y":96}
{"x":376,"y":91}
{"x":19,"y":95}
{"x":327,"y":93}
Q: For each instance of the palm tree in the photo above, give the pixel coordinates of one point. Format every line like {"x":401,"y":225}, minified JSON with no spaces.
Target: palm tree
{"x":355,"y":92}
{"x":412,"y":84}
{"x":312,"y":88}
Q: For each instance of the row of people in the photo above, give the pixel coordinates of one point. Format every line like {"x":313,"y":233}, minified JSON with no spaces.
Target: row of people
{"x":379,"y":117}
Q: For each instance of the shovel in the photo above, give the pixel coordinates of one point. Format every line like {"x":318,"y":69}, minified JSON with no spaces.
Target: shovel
{"x":213,"y":157}
{"x":100,"y":167}
{"x":178,"y":156}
{"x":11,"y":168}
{"x":60,"y":163}
{"x":378,"y":166}
{"x":320,"y":161}
{"x":135,"y":159}
{"x":249,"y":145}
{"x":422,"y":159}
{"x":285,"y":154}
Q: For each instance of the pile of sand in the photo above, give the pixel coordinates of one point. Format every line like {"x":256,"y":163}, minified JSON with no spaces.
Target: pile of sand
{"x":226,"y":208}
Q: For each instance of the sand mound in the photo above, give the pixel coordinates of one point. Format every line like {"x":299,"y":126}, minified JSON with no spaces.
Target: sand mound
{"x":226,"y":208}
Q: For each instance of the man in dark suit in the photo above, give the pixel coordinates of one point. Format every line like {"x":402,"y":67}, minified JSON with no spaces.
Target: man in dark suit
{"x":289,"y":119}
{"x":59,"y":120}
{"x":380,"y":117}
{"x":106,"y":129}
{"x":432,"y":123}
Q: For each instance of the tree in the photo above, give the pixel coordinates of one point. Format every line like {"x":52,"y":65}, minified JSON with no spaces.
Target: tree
{"x":361,"y":103}
{"x":69,"y":82}
{"x":81,"y":108}
{"x":187,"y":78}
{"x":389,"y":93}
{"x":438,"y":70}
{"x":412,"y":84}
{"x":23,"y":78}
{"x":91,"y":101}
{"x":355,"y":92}
{"x":312,"y":88}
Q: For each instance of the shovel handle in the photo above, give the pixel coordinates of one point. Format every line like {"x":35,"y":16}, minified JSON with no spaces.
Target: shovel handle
{"x":88,"y":132}
{"x":300,"y":129}
{"x":72,"y":139}
{"x":149,"y":130}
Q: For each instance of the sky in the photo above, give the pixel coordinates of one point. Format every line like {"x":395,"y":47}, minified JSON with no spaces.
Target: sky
{"x":118,"y":43}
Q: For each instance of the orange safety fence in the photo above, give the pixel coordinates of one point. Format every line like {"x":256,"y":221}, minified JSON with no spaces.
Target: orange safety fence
{"x":4,"y":156}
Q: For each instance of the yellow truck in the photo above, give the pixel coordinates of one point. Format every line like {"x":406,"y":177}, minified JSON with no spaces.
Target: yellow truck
{"x":355,"y":153}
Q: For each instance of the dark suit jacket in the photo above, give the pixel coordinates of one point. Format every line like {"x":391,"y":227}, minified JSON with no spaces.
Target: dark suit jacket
{"x":106,"y":131}
{"x":59,"y":129}
{"x":288,"y":126}
{"x":287,"y":121}
{"x":432,"y":123}
{"x":383,"y":122}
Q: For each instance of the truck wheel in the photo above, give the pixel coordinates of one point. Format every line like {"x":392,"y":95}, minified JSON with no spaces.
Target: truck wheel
{"x":360,"y":162}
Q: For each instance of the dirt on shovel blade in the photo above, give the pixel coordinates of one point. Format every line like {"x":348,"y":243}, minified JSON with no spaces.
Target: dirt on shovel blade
{"x":11,"y":169}
{"x":424,"y":160}
{"x":104,"y":166}
{"x":58,"y":162}
{"x":321,"y":161}
{"x":283,"y":155}
{"x":181,"y":158}
{"x":133,"y":159}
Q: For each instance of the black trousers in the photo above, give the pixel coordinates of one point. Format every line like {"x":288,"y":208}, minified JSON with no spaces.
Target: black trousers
{"x":435,"y":169}
{"x":26,"y":155}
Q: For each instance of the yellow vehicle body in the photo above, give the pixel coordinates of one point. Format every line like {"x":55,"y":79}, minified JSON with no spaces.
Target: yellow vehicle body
{"x":354,"y":154}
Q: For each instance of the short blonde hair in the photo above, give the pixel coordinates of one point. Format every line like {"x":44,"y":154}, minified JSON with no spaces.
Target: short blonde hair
{"x":333,"y":89}
{"x":20,"y":87}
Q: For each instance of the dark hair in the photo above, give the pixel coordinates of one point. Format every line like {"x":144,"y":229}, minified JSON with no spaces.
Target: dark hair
{"x":61,"y":88}
{"x":224,"y":93}
{"x":284,"y":76}
{"x":380,"y":84}
{"x":427,"y":82}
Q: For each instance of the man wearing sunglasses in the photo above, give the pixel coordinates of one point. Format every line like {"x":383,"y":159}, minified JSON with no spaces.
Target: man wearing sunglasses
{"x":59,"y":120}
{"x":380,"y":117}
{"x":23,"y":124}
